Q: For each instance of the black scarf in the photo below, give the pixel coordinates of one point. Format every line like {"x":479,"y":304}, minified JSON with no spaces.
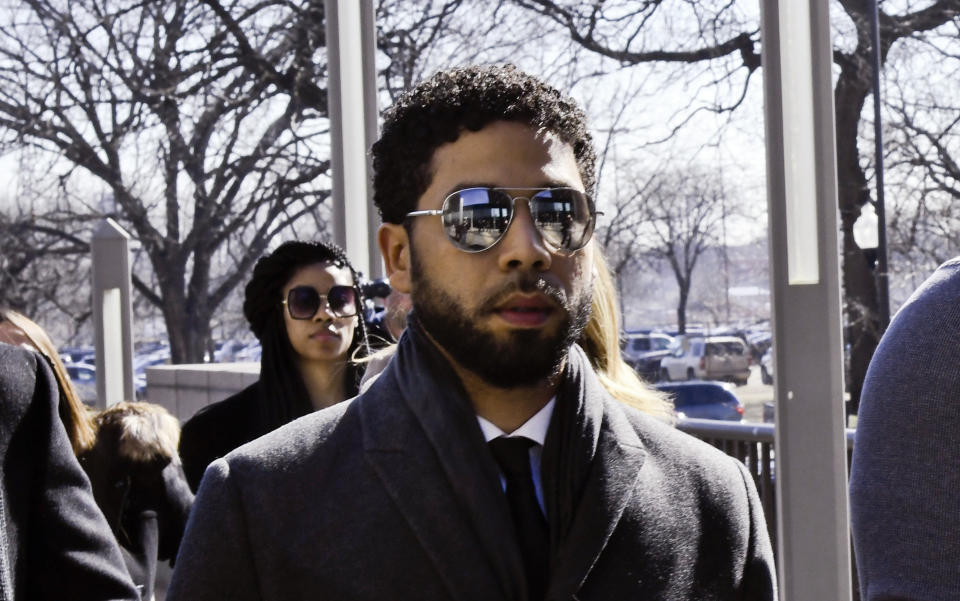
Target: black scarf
{"x":435,"y":394}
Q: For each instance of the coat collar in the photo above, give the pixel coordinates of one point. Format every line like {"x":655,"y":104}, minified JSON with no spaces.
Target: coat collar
{"x":430,"y":454}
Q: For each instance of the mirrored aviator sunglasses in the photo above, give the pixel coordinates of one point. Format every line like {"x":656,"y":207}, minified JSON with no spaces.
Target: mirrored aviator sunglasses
{"x":475,"y":219}
{"x":303,"y":302}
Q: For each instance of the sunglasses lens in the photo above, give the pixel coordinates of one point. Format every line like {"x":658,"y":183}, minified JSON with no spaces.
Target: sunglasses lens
{"x":564,"y":216}
{"x":342,"y":301}
{"x":303,"y":302}
{"x":476,"y":218}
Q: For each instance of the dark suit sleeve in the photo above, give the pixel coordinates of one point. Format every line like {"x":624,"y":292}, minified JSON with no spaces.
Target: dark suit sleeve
{"x":759,"y":573}
{"x":72,"y":554}
{"x":215,"y":560}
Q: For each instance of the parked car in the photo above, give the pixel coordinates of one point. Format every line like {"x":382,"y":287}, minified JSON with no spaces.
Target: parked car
{"x":760,"y":343}
{"x":84,"y":378}
{"x":251,"y":353}
{"x":225,"y":351}
{"x":140,"y":365}
{"x":704,"y":400}
{"x":77,"y":354}
{"x":142,"y":362}
{"x":643,"y":353}
{"x":140,"y":386}
{"x":766,"y":367}
{"x":709,"y":358}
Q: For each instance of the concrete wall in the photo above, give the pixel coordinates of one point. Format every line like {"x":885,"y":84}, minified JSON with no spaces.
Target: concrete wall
{"x":185,"y":389}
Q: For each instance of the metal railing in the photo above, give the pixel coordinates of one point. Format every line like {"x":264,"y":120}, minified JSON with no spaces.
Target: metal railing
{"x":752,"y":444}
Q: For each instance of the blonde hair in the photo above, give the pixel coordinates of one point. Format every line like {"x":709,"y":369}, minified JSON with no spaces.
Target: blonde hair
{"x":73,"y":413}
{"x":601,"y":341}
{"x":141,"y":432}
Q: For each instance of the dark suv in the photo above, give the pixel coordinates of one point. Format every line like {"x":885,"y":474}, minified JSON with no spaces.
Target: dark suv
{"x":644,"y":351}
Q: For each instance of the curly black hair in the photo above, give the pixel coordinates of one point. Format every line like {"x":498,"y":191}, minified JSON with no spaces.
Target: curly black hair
{"x":280,"y":380}
{"x":439,"y":109}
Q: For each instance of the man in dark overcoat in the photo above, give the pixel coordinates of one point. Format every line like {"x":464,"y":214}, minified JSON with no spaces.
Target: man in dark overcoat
{"x":486,"y":462}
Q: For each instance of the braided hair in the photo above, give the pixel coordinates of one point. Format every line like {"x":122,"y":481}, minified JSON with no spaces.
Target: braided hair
{"x":283,"y":393}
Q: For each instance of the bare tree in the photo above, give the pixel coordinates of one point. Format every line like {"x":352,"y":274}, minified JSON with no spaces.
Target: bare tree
{"x":39,"y":264}
{"x":672,"y":217}
{"x":620,"y":234}
{"x":926,"y":223}
{"x":202,"y":125}
{"x":725,"y":36}
{"x":418,"y":38}
{"x":923,"y":146}
{"x":409,"y":34}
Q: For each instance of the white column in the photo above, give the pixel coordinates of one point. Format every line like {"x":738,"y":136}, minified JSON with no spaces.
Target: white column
{"x":112,"y":314}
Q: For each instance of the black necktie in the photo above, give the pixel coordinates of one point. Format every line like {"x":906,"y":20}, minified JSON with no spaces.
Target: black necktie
{"x":513,"y":456}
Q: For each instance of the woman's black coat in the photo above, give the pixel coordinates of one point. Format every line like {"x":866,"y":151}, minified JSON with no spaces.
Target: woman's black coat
{"x":218,"y":429}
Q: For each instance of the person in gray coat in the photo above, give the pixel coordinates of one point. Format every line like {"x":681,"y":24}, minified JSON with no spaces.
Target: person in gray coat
{"x":904,"y":479}
{"x":486,"y":462}
{"x":55,"y":543}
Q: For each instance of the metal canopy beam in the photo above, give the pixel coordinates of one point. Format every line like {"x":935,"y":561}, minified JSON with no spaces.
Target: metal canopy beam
{"x":813,"y":537}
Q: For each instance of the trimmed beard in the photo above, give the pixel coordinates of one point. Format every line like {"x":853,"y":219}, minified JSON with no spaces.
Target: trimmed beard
{"x":526,"y":357}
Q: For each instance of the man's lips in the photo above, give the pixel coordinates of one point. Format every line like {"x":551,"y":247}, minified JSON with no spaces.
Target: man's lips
{"x":525,"y":311}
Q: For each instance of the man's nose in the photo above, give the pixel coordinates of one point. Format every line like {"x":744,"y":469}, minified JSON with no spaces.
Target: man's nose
{"x":522,"y":246}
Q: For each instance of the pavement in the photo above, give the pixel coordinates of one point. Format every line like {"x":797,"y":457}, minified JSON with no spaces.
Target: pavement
{"x":754,"y":395}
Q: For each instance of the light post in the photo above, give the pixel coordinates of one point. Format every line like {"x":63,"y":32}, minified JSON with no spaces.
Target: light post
{"x":866,"y":233}
{"x":881,"y":275}
{"x":813,"y":529}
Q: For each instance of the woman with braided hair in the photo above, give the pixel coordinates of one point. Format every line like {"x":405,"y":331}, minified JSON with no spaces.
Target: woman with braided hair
{"x":304,"y":305}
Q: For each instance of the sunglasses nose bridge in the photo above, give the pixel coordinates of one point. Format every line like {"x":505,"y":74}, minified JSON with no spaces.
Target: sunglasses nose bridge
{"x":522,"y":241}
{"x":526,"y":200}
{"x":515,"y":202}
{"x":529,"y":202}
{"x":323,"y":308}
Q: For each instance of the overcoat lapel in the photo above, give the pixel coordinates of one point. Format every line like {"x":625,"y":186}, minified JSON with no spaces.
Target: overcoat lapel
{"x":610,"y":485}
{"x":429,"y":452}
{"x":592,"y":459}
{"x":430,"y":455}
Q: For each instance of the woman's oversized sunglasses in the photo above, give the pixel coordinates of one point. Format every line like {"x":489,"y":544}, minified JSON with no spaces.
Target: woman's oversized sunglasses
{"x":475,"y":219}
{"x":303,"y":302}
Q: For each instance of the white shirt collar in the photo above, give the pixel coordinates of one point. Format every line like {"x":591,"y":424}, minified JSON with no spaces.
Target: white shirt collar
{"x":534,"y":428}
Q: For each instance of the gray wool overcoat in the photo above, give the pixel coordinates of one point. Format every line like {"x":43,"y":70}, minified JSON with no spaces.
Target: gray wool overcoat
{"x":393,"y":496}
{"x":55,"y":543}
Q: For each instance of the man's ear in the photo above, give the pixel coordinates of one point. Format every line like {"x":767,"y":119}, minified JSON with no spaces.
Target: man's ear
{"x":395,"y":248}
